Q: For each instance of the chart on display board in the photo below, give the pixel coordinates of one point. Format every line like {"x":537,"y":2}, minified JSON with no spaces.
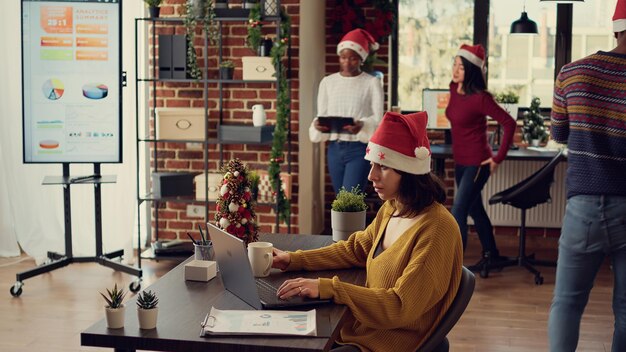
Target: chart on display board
{"x":71,"y":81}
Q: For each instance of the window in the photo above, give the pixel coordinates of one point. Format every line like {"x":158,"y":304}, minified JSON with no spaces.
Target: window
{"x":592,"y":27}
{"x":429,"y":35}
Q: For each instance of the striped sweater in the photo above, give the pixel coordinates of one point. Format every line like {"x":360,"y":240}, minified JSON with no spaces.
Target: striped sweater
{"x":589,"y":114}
{"x":410,"y":285}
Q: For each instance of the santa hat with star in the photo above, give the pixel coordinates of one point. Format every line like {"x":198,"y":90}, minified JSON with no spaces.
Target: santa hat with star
{"x":400,"y":142}
{"x":360,"y":41}
{"x":619,"y":18}
{"x":475,"y":54}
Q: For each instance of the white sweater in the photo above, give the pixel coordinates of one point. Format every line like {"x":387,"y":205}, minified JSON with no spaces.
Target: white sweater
{"x":360,"y":97}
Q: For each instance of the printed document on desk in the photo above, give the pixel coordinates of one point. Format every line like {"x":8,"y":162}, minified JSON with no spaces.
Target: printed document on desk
{"x":259,"y":322}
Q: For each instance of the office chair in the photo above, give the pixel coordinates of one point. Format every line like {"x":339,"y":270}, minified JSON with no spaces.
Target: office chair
{"x":530,"y":192}
{"x":438,"y":342}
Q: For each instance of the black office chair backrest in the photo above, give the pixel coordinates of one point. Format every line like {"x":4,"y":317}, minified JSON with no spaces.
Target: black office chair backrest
{"x":533,"y":190}
{"x":460,"y":302}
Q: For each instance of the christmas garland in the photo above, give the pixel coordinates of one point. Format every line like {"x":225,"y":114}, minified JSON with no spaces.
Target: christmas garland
{"x":235,"y":207}
{"x":254,"y":28}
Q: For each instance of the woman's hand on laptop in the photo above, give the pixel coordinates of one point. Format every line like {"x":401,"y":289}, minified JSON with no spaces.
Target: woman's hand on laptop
{"x":281,"y":259}
{"x":299,"y":287}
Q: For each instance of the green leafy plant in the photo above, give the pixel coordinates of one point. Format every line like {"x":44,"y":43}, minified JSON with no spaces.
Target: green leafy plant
{"x":198,"y":11}
{"x":115,"y":297}
{"x":153,"y":3}
{"x":227,"y":64}
{"x":534,"y":127}
{"x":147,"y":300}
{"x":349,"y":201}
{"x":507,"y":97}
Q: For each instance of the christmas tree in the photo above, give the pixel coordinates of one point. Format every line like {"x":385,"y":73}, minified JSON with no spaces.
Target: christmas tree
{"x":235,"y":207}
{"x":534,"y":129}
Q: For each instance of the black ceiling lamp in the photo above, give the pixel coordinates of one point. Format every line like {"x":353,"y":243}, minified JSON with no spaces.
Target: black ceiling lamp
{"x":524,"y":25}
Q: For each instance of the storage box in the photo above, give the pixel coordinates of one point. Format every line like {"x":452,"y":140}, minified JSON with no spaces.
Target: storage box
{"x":200,"y":270}
{"x":172,"y":184}
{"x":246,"y":133}
{"x":258,"y":68}
{"x":215,"y":182}
{"x":180,"y":123}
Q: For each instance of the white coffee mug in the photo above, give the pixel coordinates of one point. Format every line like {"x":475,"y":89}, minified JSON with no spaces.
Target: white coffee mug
{"x":258,"y":115}
{"x":260,"y":256}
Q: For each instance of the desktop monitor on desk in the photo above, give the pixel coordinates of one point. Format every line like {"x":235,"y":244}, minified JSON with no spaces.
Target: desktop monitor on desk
{"x":435,"y":102}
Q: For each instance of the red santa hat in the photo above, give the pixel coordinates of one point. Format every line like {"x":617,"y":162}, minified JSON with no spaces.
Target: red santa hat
{"x":400,"y":142}
{"x":619,"y":18}
{"x":475,"y":54}
{"x":358,"y":40}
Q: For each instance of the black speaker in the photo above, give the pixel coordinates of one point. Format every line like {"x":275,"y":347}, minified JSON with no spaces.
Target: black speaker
{"x":165,"y":56}
{"x":179,"y":56}
{"x":172,"y":184}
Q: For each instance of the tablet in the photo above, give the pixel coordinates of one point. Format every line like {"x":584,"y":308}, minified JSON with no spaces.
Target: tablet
{"x":335,"y":124}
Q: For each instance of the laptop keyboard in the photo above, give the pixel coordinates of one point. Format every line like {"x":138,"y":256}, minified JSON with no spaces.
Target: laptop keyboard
{"x":267,"y":292}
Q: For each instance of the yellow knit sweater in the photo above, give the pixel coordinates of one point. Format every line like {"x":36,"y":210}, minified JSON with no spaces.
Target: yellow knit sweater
{"x":409,"y":287}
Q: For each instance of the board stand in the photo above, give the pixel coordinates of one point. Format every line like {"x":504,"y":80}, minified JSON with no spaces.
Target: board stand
{"x":56,"y":260}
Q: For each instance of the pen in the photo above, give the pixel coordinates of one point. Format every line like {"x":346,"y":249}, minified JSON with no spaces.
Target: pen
{"x":201,"y":234}
{"x":83,"y":178}
{"x":192,"y":240}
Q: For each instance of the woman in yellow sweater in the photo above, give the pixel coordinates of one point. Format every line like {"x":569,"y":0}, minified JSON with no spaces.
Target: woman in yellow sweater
{"x":412,"y":251}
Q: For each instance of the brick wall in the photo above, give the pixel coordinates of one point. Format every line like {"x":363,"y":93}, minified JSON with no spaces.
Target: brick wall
{"x":238,"y":100}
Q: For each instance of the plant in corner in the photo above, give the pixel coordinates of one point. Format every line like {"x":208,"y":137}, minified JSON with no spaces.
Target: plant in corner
{"x":115,"y":308}
{"x":153,"y":7}
{"x":227,"y":69}
{"x":534,"y":131}
{"x":347,"y":213}
{"x":147,"y":310}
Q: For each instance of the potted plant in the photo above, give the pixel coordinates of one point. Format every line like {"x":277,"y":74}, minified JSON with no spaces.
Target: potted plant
{"x":153,"y":7}
{"x":147,"y":310}
{"x":227,"y":68}
{"x":115,"y":309}
{"x":347,"y":213}
{"x":508,"y":100}
{"x":534,"y":131}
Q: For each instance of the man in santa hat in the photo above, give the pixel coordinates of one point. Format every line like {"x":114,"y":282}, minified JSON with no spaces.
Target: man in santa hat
{"x":354,"y":94}
{"x":589,"y":114}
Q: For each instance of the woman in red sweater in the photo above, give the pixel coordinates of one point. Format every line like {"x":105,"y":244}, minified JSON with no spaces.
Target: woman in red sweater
{"x":470,"y":104}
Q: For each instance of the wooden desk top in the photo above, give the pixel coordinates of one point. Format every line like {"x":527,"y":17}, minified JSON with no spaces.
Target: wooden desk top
{"x":184,"y":304}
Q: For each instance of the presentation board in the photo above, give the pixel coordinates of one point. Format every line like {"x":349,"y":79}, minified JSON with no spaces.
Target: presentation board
{"x":71,"y":81}
{"x":434,"y":102}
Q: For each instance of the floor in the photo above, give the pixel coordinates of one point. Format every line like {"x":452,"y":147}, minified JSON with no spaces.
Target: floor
{"x":508,"y":312}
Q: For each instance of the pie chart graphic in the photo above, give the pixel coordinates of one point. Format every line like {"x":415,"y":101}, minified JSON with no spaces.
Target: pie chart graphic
{"x":95,"y":91}
{"x":53,"y":89}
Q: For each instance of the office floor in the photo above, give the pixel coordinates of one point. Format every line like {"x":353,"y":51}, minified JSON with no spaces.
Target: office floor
{"x":507,"y":312}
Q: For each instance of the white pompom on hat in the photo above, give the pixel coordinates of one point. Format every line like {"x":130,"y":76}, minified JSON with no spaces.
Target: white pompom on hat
{"x":475,"y":54}
{"x":360,"y":41}
{"x":619,"y":18}
{"x":401,"y":143}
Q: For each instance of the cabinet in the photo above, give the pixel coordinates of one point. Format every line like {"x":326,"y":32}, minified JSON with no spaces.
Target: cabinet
{"x":206,"y":149}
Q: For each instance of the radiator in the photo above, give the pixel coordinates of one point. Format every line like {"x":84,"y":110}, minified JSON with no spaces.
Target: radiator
{"x":510,"y":172}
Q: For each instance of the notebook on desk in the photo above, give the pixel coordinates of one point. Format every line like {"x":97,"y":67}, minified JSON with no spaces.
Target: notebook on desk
{"x":232,"y":259}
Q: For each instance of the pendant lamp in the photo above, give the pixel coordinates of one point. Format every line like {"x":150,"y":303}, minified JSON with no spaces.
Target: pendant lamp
{"x":524,"y":25}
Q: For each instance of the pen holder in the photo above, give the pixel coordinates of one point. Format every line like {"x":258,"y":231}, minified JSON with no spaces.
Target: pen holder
{"x":203,"y":251}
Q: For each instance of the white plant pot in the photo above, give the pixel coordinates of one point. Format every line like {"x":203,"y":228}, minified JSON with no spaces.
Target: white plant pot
{"x":345,"y":224}
{"x":512,"y":109}
{"x":115,"y":317}
{"x":147,"y":317}
{"x":534,"y":142}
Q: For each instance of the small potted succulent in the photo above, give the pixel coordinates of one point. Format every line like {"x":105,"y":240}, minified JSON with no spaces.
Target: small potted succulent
{"x":227,"y":69}
{"x":347,"y":213}
{"x":147,"y":309}
{"x":153,"y":7}
{"x":114,"y":309}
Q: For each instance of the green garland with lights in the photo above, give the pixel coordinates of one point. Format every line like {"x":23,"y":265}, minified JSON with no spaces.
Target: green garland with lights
{"x":283,"y":102}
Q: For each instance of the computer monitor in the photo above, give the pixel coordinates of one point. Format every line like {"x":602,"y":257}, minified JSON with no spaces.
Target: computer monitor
{"x":434,"y":102}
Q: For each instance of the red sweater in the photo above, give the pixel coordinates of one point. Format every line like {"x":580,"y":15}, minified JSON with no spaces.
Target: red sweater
{"x":468,"y":118}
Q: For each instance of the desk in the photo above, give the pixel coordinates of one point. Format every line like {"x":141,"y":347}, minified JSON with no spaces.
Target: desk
{"x":441,"y":152}
{"x":184,"y":304}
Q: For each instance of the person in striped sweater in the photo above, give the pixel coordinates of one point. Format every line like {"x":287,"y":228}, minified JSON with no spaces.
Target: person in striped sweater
{"x":589,"y":114}
{"x":412,"y":251}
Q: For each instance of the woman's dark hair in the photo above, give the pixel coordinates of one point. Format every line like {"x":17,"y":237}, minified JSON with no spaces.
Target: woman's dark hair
{"x":474,"y":81}
{"x":416,"y":192}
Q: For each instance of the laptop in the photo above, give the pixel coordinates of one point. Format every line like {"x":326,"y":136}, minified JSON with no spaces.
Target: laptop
{"x":260,"y":293}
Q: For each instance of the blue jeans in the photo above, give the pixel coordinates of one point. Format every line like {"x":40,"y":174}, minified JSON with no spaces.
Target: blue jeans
{"x":470,"y":181}
{"x":593,"y":227}
{"x":347,"y":165}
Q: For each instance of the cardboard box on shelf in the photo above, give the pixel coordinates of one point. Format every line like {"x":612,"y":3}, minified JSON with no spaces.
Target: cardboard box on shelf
{"x":180,"y":123}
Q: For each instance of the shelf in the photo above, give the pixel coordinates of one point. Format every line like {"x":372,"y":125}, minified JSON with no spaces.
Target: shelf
{"x":180,"y":199}
{"x":221,"y":15}
{"x":191,"y":80}
{"x":153,"y":140}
